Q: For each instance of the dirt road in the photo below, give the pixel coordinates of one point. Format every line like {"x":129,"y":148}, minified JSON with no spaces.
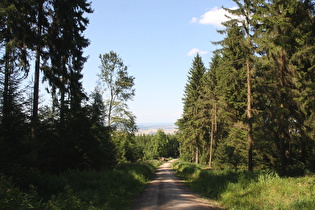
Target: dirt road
{"x":166,"y":191}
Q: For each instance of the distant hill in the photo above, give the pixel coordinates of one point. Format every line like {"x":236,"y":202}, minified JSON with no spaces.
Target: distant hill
{"x":151,"y":128}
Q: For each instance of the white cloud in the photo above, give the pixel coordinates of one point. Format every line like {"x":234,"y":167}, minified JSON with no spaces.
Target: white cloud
{"x":195,"y":51}
{"x":213,"y":17}
{"x":194,"y":20}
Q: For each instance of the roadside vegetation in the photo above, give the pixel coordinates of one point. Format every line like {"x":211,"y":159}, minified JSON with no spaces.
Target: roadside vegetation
{"x":107,"y":189}
{"x":248,"y":190}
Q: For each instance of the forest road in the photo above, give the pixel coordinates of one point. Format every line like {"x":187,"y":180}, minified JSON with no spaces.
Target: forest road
{"x":166,"y":191}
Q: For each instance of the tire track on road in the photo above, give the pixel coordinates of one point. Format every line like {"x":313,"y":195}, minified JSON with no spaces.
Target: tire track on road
{"x":166,"y":191}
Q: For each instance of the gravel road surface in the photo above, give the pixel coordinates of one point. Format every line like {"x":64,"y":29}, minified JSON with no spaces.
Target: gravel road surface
{"x":166,"y":191}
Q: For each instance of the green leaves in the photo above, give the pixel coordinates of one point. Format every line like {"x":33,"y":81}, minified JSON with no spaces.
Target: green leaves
{"x":119,"y":89}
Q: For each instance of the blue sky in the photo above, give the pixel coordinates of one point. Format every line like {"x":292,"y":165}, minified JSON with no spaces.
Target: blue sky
{"x":157,"y":40}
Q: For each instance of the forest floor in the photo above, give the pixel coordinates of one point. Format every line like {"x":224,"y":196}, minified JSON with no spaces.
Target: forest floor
{"x":166,"y":191}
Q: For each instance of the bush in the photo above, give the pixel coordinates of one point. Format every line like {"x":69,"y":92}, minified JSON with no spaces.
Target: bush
{"x":107,"y":189}
{"x":11,"y":197}
{"x":67,"y":200}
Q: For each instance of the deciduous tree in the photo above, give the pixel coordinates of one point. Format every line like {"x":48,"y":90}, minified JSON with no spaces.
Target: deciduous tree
{"x":119,"y":89}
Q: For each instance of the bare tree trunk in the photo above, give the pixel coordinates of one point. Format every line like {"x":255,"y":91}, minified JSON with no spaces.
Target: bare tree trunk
{"x":213,"y":134}
{"x":62,"y":93}
{"x":36,"y":96}
{"x":36,"y":76}
{"x":197,"y":155}
{"x":5,"y":108}
{"x":249,"y":97}
{"x":211,"y":145}
{"x":249,"y":118}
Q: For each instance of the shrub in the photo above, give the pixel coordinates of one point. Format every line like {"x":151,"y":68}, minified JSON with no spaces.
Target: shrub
{"x":106,"y":189}
{"x":11,"y":197}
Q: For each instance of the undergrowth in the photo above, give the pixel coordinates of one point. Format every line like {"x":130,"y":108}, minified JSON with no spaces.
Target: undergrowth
{"x":110,"y":189}
{"x":244,"y":190}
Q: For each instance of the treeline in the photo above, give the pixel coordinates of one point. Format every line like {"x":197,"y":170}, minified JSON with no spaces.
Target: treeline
{"x":254,"y":105}
{"x":158,"y":145}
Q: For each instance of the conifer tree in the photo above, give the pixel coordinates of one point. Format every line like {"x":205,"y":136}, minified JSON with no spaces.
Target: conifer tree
{"x":39,"y":27}
{"x":279,"y":40}
{"x":66,"y":43}
{"x":13,"y":41}
{"x":190,"y":124}
{"x":210,"y":103}
{"x":232,"y":80}
{"x":14,"y":66}
{"x":304,"y":63}
{"x":245,"y":11}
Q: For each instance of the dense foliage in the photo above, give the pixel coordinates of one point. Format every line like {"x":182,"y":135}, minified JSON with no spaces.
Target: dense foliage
{"x":107,"y":189}
{"x":69,"y":133}
{"x":156,"y":146}
{"x":254,"y":106}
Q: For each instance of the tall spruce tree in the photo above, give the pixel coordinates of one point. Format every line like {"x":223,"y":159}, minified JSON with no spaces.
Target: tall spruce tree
{"x":14,"y":40}
{"x":189,"y":124}
{"x":245,"y":11}
{"x":39,"y":25}
{"x":210,"y":103}
{"x":278,"y":41}
{"x":232,"y":81}
{"x":66,"y":44}
{"x":304,"y":63}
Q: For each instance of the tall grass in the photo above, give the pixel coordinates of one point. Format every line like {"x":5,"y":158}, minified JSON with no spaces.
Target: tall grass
{"x":244,"y":190}
{"x":111,"y":189}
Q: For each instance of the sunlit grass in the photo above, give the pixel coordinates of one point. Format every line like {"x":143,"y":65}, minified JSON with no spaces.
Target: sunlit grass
{"x":244,"y":190}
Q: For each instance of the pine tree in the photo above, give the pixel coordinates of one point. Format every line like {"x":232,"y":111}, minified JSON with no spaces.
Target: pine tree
{"x":190,"y":124}
{"x":245,"y":12}
{"x":304,"y":62}
{"x":210,"y":103}
{"x":278,"y":42}
{"x":232,"y":81}
{"x":39,"y":26}
{"x":66,"y":43}
{"x":13,"y":39}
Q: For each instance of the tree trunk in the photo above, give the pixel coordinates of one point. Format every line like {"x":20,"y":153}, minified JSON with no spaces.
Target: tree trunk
{"x":197,"y":155}
{"x":5,"y":109}
{"x":249,"y":118}
{"x":213,"y":134}
{"x":36,"y":96}
{"x":249,"y":94}
{"x":62,"y":94}
{"x":36,"y":76}
{"x":283,"y":158}
{"x":211,"y":144}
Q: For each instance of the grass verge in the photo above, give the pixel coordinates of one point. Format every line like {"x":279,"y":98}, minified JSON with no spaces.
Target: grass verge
{"x":110,"y":189}
{"x":244,"y":190}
